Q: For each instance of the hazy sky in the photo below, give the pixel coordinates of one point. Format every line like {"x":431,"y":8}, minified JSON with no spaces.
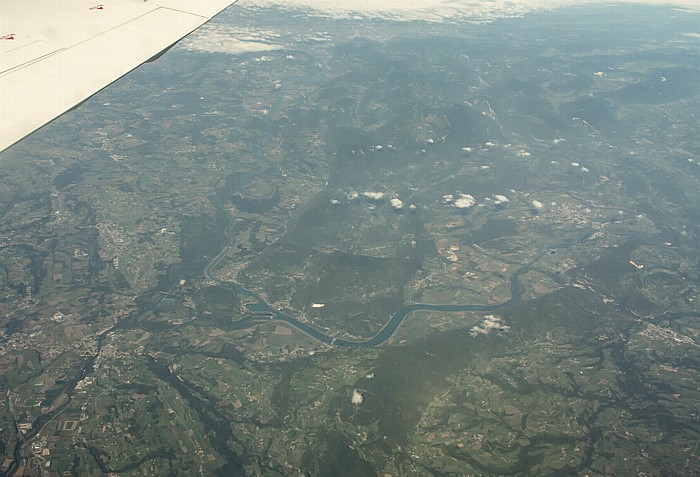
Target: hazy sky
{"x":235,"y":39}
{"x":441,"y":9}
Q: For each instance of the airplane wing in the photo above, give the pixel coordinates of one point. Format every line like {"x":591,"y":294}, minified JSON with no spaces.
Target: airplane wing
{"x":54,"y":55}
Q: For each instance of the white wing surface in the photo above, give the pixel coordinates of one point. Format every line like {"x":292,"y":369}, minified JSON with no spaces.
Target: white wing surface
{"x":54,"y":55}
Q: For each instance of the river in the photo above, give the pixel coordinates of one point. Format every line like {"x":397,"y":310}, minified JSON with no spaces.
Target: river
{"x":261,"y":311}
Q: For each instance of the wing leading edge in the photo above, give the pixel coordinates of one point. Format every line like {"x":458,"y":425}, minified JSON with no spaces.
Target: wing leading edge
{"x":55,"y":55}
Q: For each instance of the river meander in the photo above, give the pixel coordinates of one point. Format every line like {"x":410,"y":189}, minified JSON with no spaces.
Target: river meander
{"x":261,"y":311}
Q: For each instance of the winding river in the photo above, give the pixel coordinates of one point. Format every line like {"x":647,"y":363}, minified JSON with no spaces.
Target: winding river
{"x":261,"y":311}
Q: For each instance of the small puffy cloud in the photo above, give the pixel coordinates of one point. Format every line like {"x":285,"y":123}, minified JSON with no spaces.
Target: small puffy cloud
{"x":500,"y":199}
{"x":464,"y":201}
{"x":357,"y":397}
{"x":537,"y":204}
{"x":448,"y":198}
{"x":490,"y":323}
{"x":373,"y":195}
{"x":396,"y":203}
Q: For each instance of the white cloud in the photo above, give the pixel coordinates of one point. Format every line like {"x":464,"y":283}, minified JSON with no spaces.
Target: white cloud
{"x":357,"y":397}
{"x":465,"y":201}
{"x":489,"y":324}
{"x":396,"y":203}
{"x":537,"y":204}
{"x":500,"y":199}
{"x":374,"y":195}
{"x":231,"y":39}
